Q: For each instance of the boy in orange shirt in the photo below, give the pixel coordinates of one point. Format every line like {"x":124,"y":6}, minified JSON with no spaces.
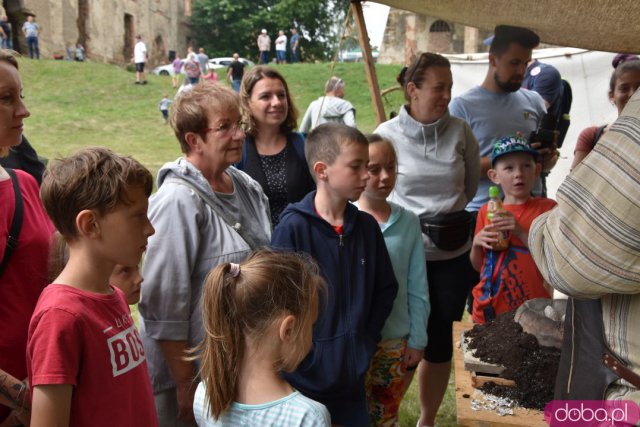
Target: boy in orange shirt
{"x":510,"y":277}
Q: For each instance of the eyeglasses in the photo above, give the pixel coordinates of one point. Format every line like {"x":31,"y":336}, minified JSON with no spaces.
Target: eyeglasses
{"x":226,"y":129}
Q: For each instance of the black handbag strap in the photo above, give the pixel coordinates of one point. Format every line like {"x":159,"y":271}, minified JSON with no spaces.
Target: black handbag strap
{"x":16,"y":224}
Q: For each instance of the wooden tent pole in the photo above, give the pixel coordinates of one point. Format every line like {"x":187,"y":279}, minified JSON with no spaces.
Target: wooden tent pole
{"x":369,"y":66}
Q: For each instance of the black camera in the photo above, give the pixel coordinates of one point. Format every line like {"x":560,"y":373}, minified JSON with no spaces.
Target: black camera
{"x":546,"y":137}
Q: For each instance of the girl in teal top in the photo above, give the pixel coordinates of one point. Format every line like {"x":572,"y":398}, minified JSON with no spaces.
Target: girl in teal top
{"x":404,"y":335}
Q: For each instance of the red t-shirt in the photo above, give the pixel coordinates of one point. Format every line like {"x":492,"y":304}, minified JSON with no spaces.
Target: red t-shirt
{"x":89,"y":340}
{"x":25,"y":276}
{"x":586,"y":139}
{"x":509,"y":278}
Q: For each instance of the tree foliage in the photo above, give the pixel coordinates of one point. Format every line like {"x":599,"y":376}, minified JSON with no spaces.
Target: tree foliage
{"x":226,"y":26}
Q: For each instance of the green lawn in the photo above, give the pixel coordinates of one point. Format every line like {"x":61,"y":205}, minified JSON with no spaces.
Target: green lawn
{"x":79,"y":104}
{"x":75,"y":105}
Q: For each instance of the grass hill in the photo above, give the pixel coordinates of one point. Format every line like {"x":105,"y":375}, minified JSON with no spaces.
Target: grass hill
{"x":75,"y":105}
{"x":80,"y":104}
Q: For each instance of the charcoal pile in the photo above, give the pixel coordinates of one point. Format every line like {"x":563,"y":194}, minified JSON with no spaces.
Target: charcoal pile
{"x":532,"y":367}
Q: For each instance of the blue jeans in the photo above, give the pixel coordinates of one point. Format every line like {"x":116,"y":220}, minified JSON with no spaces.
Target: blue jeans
{"x":281,"y":55}
{"x":294,"y":55}
{"x":7,"y":43}
{"x":264,"y":57}
{"x":32,"y":42}
{"x":236,"y":85}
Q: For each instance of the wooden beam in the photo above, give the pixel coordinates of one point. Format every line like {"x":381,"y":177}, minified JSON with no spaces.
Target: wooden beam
{"x":369,"y":66}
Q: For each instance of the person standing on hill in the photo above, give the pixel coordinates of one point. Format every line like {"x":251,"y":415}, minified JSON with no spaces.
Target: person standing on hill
{"x":140,"y":58}
{"x":7,"y":42}
{"x":264,"y":46}
{"x":31,"y":31}
{"x":203,"y":60}
{"x":281,"y":48}
{"x":295,"y":38}
{"x":235,"y":72}
{"x":329,"y":108}
{"x":177,"y":63}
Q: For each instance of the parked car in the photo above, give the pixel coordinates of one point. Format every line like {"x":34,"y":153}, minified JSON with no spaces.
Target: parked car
{"x":355,"y":55}
{"x":216,"y":63}
{"x":164,"y":70}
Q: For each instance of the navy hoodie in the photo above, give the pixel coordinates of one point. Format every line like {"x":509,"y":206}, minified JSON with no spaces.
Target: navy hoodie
{"x":361,"y":290}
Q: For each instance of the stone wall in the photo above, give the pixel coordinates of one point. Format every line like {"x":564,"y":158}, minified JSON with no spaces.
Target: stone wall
{"x":106,"y":29}
{"x":407,"y":33}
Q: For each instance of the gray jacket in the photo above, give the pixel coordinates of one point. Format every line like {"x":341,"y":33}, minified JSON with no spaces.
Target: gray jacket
{"x":438,"y":169}
{"x":334,"y":110}
{"x":189,"y":241}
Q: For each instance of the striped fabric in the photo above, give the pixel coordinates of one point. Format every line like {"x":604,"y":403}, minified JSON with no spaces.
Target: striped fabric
{"x":589,"y":246}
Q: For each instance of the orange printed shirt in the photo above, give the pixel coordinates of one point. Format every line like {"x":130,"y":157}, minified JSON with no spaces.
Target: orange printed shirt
{"x":509,"y":278}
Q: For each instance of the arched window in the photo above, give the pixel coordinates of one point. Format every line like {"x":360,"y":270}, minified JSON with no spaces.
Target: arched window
{"x":439,"y":27}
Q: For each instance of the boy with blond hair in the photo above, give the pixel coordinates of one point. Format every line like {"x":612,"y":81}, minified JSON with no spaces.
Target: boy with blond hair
{"x":361,"y":285}
{"x":508,"y":278}
{"x":85,"y":359}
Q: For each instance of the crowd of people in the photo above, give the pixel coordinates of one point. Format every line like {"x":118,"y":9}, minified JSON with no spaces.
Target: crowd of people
{"x":264,"y":47}
{"x":302,"y":278}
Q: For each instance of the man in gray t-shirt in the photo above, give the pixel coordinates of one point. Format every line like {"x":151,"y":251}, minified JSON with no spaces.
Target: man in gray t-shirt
{"x":203,"y":60}
{"x":499,"y":107}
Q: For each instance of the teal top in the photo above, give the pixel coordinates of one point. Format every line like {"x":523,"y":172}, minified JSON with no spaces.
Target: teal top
{"x":411,"y":308}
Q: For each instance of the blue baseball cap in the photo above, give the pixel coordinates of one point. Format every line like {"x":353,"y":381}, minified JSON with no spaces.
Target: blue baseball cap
{"x":511,"y":144}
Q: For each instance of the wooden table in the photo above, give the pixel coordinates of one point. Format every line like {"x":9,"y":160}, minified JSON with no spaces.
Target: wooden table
{"x":465,"y":393}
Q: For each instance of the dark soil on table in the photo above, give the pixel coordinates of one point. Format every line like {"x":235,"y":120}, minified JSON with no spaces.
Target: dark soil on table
{"x":533,"y":368}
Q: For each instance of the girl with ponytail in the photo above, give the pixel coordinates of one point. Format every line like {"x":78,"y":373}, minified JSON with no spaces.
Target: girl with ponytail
{"x":258,"y":318}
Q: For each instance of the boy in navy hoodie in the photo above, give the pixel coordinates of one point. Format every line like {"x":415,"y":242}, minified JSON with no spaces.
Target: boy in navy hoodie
{"x":350,"y":249}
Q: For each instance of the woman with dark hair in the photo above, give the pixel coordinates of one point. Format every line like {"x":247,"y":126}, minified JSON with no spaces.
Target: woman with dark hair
{"x":624,"y":82}
{"x":273,"y":154}
{"x":438,"y":173}
{"x":25,"y":234}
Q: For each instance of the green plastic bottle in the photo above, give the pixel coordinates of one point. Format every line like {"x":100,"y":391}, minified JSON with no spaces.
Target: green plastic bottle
{"x":495,"y":209}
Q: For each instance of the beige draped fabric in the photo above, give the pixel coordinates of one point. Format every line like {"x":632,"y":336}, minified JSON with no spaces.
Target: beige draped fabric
{"x":605,"y":25}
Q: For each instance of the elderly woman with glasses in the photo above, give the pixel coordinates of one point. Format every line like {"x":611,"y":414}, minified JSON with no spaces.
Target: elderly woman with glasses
{"x":205,"y":212}
{"x":438,"y":174}
{"x":273,"y":153}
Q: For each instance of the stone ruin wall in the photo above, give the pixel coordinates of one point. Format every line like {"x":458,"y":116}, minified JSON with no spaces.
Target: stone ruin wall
{"x":106,"y":29}
{"x":407,"y":33}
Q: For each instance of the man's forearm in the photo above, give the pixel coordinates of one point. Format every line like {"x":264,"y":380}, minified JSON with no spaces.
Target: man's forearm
{"x":175,"y":352}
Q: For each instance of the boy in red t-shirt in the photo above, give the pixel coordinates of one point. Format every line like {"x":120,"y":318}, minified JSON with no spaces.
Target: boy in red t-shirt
{"x":85,"y":359}
{"x":510,"y":277}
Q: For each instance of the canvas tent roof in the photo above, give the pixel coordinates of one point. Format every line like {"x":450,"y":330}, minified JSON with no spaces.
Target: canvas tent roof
{"x":605,"y":25}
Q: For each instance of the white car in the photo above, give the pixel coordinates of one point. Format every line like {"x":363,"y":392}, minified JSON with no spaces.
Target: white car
{"x":164,"y":70}
{"x":355,"y":55}
{"x":214,"y":63}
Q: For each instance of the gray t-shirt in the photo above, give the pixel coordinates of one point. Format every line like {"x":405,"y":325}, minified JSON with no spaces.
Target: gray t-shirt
{"x":493,"y":116}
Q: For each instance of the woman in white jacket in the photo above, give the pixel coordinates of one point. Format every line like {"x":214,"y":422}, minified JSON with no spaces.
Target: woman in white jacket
{"x":438,"y":173}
